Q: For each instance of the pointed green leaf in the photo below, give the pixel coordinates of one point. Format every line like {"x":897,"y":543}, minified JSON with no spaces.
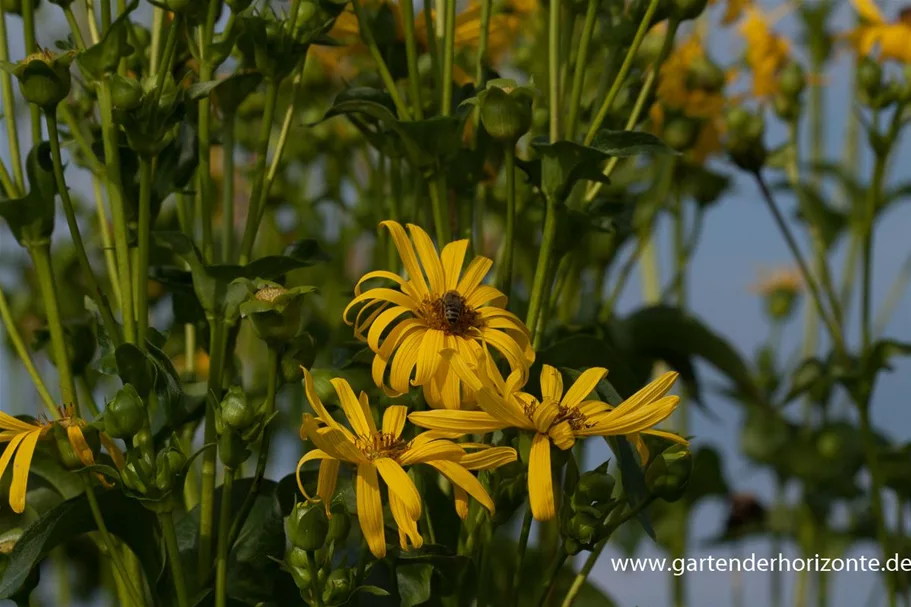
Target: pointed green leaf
{"x":630,"y":143}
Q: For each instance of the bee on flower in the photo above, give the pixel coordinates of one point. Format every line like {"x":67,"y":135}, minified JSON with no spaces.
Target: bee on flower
{"x":438,"y":307}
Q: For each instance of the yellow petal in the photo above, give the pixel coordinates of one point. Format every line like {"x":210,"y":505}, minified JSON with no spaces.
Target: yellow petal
{"x":641,"y":447}
{"x":562,"y":436}
{"x":352,"y":408}
{"x":461,"y":477}
{"x":8,"y":422}
{"x":631,"y":421}
{"x":430,"y":450}
{"x":430,"y":261}
{"x":462,"y":367}
{"x":452,"y":258}
{"x":540,"y":480}
{"x":461,"y":502}
{"x":464,"y":422}
{"x":583,"y":386}
{"x":544,"y":415}
{"x":394,"y":420}
{"x":325,"y":483}
{"x":403,"y":362}
{"x":401,"y":484}
{"x":113,"y":450}
{"x":485,"y":295}
{"x":868,"y":10}
{"x":428,"y":356}
{"x":315,"y":403}
{"x":379,"y":274}
{"x":671,"y":436}
{"x":309,"y":456}
{"x":507,"y":346}
{"x":8,"y":452}
{"x":489,"y":458}
{"x":551,"y":384}
{"x":507,"y":411}
{"x":381,"y":323}
{"x":406,"y":253}
{"x":370,"y":509}
{"x":651,"y":392}
{"x":21,"y":465}
{"x":381,"y":294}
{"x":396,"y":337}
{"x":332,"y":440}
{"x":363,"y":400}
{"x":474,"y":275}
{"x":408,"y":528}
{"x":82,"y":449}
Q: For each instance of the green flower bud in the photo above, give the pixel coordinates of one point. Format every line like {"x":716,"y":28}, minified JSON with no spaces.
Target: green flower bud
{"x":339,"y":524}
{"x":125,"y":415}
{"x":302,"y":578}
{"x":668,"y":475}
{"x":572,"y":546}
{"x":685,"y":10}
{"x":232,"y":449}
{"x":180,"y":6}
{"x":506,"y":110}
{"x":704,"y":74}
{"x":236,"y":411}
{"x":787,"y":108}
{"x":337,"y":586}
{"x":276,"y":312}
{"x":67,"y":453}
{"x":308,"y":526}
{"x":585,"y":528}
{"x":15,"y":6}
{"x":869,"y":76}
{"x":780,"y":303}
{"x":595,"y":487}
{"x":792,"y":80}
{"x":298,"y":558}
{"x":681,"y":132}
{"x":44,"y":78}
{"x":169,"y":466}
{"x":137,"y":473}
{"x":126,"y":93}
{"x":745,"y":139}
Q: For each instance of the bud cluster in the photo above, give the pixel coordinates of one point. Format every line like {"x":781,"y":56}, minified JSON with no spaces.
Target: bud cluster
{"x":584,"y":521}
{"x":667,"y":476}
{"x":238,"y":424}
{"x":745,"y":134}
{"x":312,"y":528}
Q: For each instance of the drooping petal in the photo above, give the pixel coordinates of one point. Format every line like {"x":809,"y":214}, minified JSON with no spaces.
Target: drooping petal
{"x":544,"y":415}
{"x":671,"y":436}
{"x":394,"y":420}
{"x":382,"y":322}
{"x":381,"y":294}
{"x":113,"y":450}
{"x":428,"y":356}
{"x":551,"y":384}
{"x":540,"y":480}
{"x":404,"y":361}
{"x":430,"y":260}
{"x":452,"y":258}
{"x":443,"y":389}
{"x":21,"y":465}
{"x":401,"y":484}
{"x":309,"y":456}
{"x":562,"y":436}
{"x":464,"y":422}
{"x":352,"y":408}
{"x":463,"y":368}
{"x":508,"y":347}
{"x":583,"y":386}
{"x":486,"y":295}
{"x":326,"y":481}
{"x":474,"y":275}
{"x":370,"y":509}
{"x":315,"y":403}
{"x":8,"y":422}
{"x":408,"y":528}
{"x":487,"y":459}
{"x":630,"y":421}
{"x":406,"y":253}
{"x":397,"y":336}
{"x":461,"y":477}
{"x":8,"y":453}
{"x":461,"y":502}
{"x":77,"y":441}
{"x":431,"y":450}
{"x":385,"y":274}
{"x":332,"y":440}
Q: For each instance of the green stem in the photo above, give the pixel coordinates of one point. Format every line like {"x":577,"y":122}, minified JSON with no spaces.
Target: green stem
{"x":483,"y":43}
{"x":575,"y":99}
{"x":262,"y":154}
{"x":625,"y":67}
{"x":550,"y":578}
{"x":876,"y":184}
{"x":539,"y":286}
{"x":431,"y":43}
{"x":41,"y":256}
{"x":296,"y":87}
{"x":118,"y":211}
{"x":146,"y":168}
{"x":520,"y":554}
{"x":106,"y":241}
{"x":316,"y":591}
{"x":31,"y":46}
{"x":395,"y":203}
{"x":224,"y":545}
{"x":204,"y":172}
{"x":9,"y":107}
{"x":411,"y":54}
{"x":506,"y":263}
{"x":871,"y":452}
{"x":385,"y":75}
{"x":107,"y":316}
{"x":681,"y":508}
{"x":158,"y":15}
{"x":553,"y":69}
{"x":438,"y":200}
{"x":74,"y":27}
{"x":166,"y":520}
{"x":227,"y":188}
{"x":12,"y":333}
{"x":6,"y":181}
{"x":218,"y":338}
{"x":105,"y":15}
{"x":448,"y":58}
{"x":113,"y":552}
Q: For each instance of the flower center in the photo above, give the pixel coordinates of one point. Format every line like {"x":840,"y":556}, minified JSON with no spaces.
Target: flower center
{"x":270,"y":294}
{"x":381,"y":444}
{"x":451,"y":314}
{"x":572,"y":415}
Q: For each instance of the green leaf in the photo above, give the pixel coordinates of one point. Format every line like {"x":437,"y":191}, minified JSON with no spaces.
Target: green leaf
{"x":31,"y":218}
{"x":200,"y":90}
{"x":630,"y":143}
{"x":230,"y":92}
{"x":414,"y":583}
{"x":104,"y":57}
{"x":563,"y":163}
{"x":124,"y":517}
{"x":133,"y":367}
{"x":631,"y":478}
{"x":707,"y":479}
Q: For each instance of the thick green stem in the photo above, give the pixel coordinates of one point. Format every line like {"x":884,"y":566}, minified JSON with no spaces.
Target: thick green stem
{"x":625,"y":67}
{"x":107,"y":241}
{"x":506,"y":263}
{"x":875,"y":192}
{"x":224,"y":544}
{"x":146,"y":169}
{"x":385,"y":74}
{"x":113,"y":551}
{"x":227,"y":188}
{"x":218,"y":339}
{"x":483,"y":42}
{"x":411,"y":54}
{"x":118,"y":211}
{"x":41,"y":256}
{"x":9,"y":107}
{"x":107,"y":316}
{"x":31,"y":46}
{"x":439,"y":198}
{"x":15,"y":338}
{"x":448,"y":58}
{"x":520,"y":554}
{"x":262,"y":155}
{"x":575,"y":98}
{"x":166,"y":520}
{"x":550,"y":578}
{"x":204,"y":172}
{"x":74,"y":27}
{"x":553,"y":69}
{"x":316,"y":590}
{"x":539,"y":286}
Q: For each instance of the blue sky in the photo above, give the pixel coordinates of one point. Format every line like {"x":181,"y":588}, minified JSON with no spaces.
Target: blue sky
{"x":739,"y":236}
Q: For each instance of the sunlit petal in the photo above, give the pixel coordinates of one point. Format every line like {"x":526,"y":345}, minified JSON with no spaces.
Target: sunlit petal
{"x":406,"y":253}
{"x":583,"y":386}
{"x":430,"y":260}
{"x":452,"y":258}
{"x":461,"y":477}
{"x":540,"y":479}
{"x":370,"y":509}
{"x":401,"y":484}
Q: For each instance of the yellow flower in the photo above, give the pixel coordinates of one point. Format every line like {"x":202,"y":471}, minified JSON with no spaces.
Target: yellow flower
{"x":766,"y":53}
{"x":780,"y":280}
{"x":891,"y":39}
{"x":448,"y":309}
{"x":22,"y":438}
{"x":559,"y":418}
{"x":382,"y":452}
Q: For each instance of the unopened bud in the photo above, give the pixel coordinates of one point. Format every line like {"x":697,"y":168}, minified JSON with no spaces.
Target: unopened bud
{"x":125,"y":415}
{"x":337,"y":586}
{"x":126,"y":93}
{"x":668,"y":475}
{"x":339,"y":524}
{"x":308,"y":526}
{"x":595,"y":487}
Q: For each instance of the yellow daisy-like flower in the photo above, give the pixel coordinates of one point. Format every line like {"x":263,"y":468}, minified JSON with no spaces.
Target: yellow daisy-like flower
{"x":875,"y":33}
{"x":439,"y":307}
{"x":381,"y":452}
{"x":559,"y":418}
{"x":766,"y":53}
{"x":780,"y":280}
